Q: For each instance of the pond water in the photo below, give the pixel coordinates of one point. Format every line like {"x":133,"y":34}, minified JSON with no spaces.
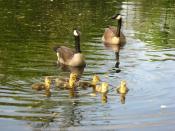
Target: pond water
{"x":29,"y":29}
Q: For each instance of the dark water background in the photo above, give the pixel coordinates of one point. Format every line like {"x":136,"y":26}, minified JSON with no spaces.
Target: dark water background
{"x":29,"y":29}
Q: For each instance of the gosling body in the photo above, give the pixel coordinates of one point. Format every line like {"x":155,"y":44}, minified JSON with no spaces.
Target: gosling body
{"x":42,"y":86}
{"x":122,"y":88}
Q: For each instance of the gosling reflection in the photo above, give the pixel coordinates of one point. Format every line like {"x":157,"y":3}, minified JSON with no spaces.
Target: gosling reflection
{"x":122,"y":89}
{"x":122,"y":98}
{"x":72,"y":93}
{"x":48,"y":93}
{"x":104,"y":98}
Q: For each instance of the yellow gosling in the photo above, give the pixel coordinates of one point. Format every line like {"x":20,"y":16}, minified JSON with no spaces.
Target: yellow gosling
{"x":60,"y":82}
{"x":95,"y":79}
{"x":72,"y":80}
{"x":122,"y":88}
{"x":67,"y":83}
{"x":47,"y":83}
{"x":103,"y":88}
{"x":42,"y":86}
{"x":93,"y":83}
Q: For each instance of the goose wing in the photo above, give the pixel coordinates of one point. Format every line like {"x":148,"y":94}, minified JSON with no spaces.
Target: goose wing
{"x":114,"y":31}
{"x":65,"y":53}
{"x":109,"y":33}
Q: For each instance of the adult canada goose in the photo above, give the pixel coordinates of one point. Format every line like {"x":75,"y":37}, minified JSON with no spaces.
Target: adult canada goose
{"x":113,"y":38}
{"x":113,"y":35}
{"x":71,"y":57}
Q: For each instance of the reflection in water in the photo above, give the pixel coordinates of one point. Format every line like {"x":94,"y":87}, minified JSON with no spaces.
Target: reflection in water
{"x":29,"y":29}
{"x":114,"y":39}
{"x":48,"y":122}
{"x":116,"y":49}
{"x":78,"y":70}
{"x":122,"y":98}
{"x":104,"y":98}
{"x":73,"y":92}
{"x":48,"y":93}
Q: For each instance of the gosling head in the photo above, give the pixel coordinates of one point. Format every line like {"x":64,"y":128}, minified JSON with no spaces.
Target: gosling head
{"x":123,"y":83}
{"x":104,"y":87}
{"x":95,"y":79}
{"x":116,"y":17}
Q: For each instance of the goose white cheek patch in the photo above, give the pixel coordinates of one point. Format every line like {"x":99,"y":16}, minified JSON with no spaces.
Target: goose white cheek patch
{"x":75,"y":33}
{"x":118,"y":17}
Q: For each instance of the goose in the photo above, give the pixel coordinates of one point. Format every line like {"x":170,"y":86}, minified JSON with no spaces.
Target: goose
{"x":114,"y":39}
{"x":70,"y":57}
{"x":113,"y":35}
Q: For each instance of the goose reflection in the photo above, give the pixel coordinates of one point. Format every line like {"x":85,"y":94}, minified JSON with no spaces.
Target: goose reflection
{"x":78,"y":70}
{"x":116,"y":50}
{"x":114,"y":39}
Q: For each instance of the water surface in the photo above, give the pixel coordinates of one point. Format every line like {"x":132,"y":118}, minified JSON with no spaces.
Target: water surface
{"x":30,"y":29}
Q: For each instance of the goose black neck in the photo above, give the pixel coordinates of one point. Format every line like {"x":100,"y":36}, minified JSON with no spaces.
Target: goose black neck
{"x":77,"y":44}
{"x":119,"y":27}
